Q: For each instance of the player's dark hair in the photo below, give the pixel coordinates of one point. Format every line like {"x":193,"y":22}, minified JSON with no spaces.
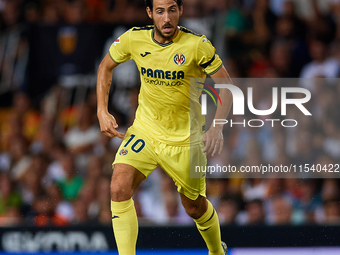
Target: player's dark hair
{"x":149,"y":3}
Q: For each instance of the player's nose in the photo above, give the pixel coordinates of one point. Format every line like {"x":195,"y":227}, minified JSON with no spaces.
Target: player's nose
{"x":167,"y":17}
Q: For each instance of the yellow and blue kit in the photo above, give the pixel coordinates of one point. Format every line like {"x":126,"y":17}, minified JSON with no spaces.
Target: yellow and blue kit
{"x":163,"y":132}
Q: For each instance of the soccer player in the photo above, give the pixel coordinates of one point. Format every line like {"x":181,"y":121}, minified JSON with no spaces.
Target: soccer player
{"x":167,"y":56}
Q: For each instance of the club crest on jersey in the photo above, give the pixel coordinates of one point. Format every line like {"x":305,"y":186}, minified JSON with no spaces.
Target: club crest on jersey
{"x":117,"y":41}
{"x":123,"y":152}
{"x":179,"y":59}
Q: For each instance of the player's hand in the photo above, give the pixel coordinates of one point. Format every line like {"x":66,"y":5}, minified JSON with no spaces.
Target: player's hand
{"x":213,"y":140}
{"x":108,"y":125}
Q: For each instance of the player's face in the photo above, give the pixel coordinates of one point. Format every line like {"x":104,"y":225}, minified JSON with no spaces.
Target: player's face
{"x":165,"y":16}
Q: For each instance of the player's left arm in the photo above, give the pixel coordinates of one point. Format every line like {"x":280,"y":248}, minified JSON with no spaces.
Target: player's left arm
{"x":213,"y":138}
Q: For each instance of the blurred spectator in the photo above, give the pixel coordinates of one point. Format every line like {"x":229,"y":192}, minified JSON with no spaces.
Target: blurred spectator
{"x":30,"y":188}
{"x":9,"y":198}
{"x":228,"y":209}
{"x":255,"y":214}
{"x":171,"y":200}
{"x":262,"y":23}
{"x":284,"y":214}
{"x":332,"y":212}
{"x":80,"y":212}
{"x":63,"y":210}
{"x":50,"y":15}
{"x":31,"y":12}
{"x":10,"y":15}
{"x":95,"y":170}
{"x":280,"y":59}
{"x":81,"y":139}
{"x":215,"y":189}
{"x":88,"y":196}
{"x":103,"y":191}
{"x":322,"y":64}
{"x":20,"y":160}
{"x":55,"y":171}
{"x":94,"y":10}
{"x":104,"y":216}
{"x":41,"y":213}
{"x":330,"y":190}
{"x":12,"y":217}
{"x":73,"y":11}
{"x":282,"y":210}
{"x":309,"y":200}
{"x":290,"y":36}
{"x":304,"y":152}
{"x":19,"y":120}
{"x":72,"y":184}
{"x":46,"y":211}
{"x":254,"y":189}
{"x":331,"y":143}
{"x":289,"y":11}
{"x":105,"y":151}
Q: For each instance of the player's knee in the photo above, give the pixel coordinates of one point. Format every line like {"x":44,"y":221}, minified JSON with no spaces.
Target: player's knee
{"x":193,"y":210}
{"x":120,"y":192}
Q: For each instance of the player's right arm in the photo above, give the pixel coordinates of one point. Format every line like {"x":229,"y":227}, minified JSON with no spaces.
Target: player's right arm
{"x":107,"y":122}
{"x":119,"y":52}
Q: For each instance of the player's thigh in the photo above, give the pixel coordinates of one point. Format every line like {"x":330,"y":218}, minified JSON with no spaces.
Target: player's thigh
{"x":125,"y":180}
{"x":134,"y":161}
{"x":178,"y":162}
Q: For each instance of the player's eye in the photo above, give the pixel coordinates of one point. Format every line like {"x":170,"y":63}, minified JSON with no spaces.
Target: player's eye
{"x":173,"y":10}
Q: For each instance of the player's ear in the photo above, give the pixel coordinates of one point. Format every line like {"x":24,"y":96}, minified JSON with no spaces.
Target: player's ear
{"x":149,"y":12}
{"x":181,"y":10}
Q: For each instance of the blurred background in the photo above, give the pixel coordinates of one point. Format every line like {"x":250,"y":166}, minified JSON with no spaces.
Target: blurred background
{"x":55,"y":165}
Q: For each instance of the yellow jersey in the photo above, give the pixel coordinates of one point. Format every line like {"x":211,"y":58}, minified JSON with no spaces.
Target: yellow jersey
{"x":168,"y":110}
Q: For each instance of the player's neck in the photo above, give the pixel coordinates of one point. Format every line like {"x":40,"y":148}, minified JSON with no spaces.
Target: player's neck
{"x":163,"y":40}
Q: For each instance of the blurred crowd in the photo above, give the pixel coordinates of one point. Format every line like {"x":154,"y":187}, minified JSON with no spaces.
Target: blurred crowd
{"x":55,"y":165}
{"x":52,"y":12}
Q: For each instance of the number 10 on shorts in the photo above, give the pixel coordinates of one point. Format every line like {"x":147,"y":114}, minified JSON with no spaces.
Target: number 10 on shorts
{"x":137,"y":146}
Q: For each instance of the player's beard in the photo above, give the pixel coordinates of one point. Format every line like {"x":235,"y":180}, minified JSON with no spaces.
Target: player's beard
{"x":159,"y":32}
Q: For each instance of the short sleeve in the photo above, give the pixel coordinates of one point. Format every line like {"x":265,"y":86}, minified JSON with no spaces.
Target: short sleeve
{"x":120,"y":49}
{"x":206,"y":56}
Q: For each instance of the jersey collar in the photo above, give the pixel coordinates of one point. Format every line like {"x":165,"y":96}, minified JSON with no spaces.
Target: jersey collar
{"x":166,"y":44}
